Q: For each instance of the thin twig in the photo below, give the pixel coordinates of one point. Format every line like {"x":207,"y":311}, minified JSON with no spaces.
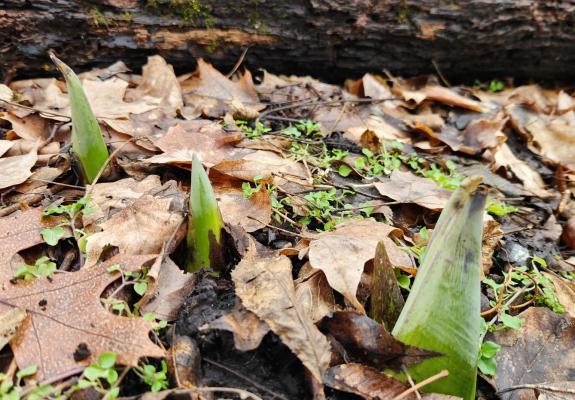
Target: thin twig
{"x":423,"y":383}
{"x":238,"y":63}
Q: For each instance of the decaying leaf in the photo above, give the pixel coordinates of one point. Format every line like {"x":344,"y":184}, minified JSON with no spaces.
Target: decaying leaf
{"x":265,"y":286}
{"x":17,"y":169}
{"x":65,"y":313}
{"x":341,"y":254}
{"x":313,"y":293}
{"x":202,"y":137}
{"x":409,"y":188}
{"x":18,"y":232}
{"x":247,"y":328}
{"x":386,"y":300}
{"x":142,"y":227}
{"x":541,"y":351}
{"x":366,"y":341}
{"x":565,"y":291}
{"x":367,"y":382}
{"x":171,"y":288}
{"x":10,"y":321}
{"x":251,"y":213}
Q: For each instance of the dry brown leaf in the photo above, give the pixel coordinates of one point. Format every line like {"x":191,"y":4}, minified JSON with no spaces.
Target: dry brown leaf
{"x":367,"y":342}
{"x":65,"y":311}
{"x":532,"y":181}
{"x":266,"y":165}
{"x":159,"y":86}
{"x":251,"y":213}
{"x":478,"y":135}
{"x":18,"y":232}
{"x":6,"y":93}
{"x":364,"y":381}
{"x":551,"y":136}
{"x":10,"y":321}
{"x":540,"y":351}
{"x":141,"y":228}
{"x":111,"y":197}
{"x":247,"y":328}
{"x":205,"y":138}
{"x":107,"y":99}
{"x":313,"y":293}
{"x":266,"y":288}
{"x":213,"y":92}
{"x":406,"y":187}
{"x":17,"y":169}
{"x":5,"y":145}
{"x":170,"y":289}
{"x":442,"y":95}
{"x":31,"y":128}
{"x":341,"y":254}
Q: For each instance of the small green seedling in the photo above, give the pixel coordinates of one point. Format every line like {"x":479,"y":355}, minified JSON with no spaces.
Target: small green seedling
{"x":486,"y":362}
{"x":442,"y":311}
{"x":204,"y":224}
{"x":87,"y":141}
{"x":43,"y":267}
{"x":499,"y":208}
{"x":101,"y":376}
{"x":157,"y":380}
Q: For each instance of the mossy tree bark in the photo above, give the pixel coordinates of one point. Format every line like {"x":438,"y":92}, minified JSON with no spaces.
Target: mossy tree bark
{"x":331,"y":39}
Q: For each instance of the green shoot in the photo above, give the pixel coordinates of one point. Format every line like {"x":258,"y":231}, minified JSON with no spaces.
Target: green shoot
{"x":442,"y":311}
{"x":87,"y":141}
{"x":204,"y":224}
{"x":486,"y":362}
{"x":102,"y":376}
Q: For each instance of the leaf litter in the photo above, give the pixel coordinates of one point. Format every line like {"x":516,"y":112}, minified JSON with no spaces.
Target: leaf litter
{"x":310,"y":178}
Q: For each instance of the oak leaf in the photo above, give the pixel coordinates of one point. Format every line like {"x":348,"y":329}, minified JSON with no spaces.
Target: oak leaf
{"x":65,"y":313}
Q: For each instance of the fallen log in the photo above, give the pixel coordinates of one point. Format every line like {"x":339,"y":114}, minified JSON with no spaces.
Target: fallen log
{"x":330,"y":39}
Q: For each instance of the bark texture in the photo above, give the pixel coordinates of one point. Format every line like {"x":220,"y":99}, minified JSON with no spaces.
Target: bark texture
{"x":330,"y":39}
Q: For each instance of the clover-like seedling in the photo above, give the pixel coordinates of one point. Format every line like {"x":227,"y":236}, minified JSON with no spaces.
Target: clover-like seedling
{"x":87,"y":141}
{"x":204,"y":238}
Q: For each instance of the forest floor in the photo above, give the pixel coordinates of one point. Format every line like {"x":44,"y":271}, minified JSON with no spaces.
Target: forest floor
{"x":94,"y":298}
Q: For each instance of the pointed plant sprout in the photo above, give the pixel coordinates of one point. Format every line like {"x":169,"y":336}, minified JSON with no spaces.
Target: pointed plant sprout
{"x":87,"y":141}
{"x":442,"y":311}
{"x":204,"y":224}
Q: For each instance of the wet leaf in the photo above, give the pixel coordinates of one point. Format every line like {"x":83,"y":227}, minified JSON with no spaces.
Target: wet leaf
{"x":364,"y":381}
{"x":540,"y":352}
{"x":368,"y":342}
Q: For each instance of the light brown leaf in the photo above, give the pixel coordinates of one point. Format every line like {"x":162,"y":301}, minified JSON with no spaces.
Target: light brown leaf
{"x":9,"y":323}
{"x":443,"y":95}
{"x":250,"y":213}
{"x":17,"y":169}
{"x":532,"y":181}
{"x":341,"y":254}
{"x":265,"y":286}
{"x":205,"y":138}
{"x":364,"y":381}
{"x":159,"y":86}
{"x":313,"y":293}
{"x":111,"y":197}
{"x":141,"y":228}
{"x":406,"y":187}
{"x":31,"y":127}
{"x":247,"y":328}
{"x":65,"y":311}
{"x":5,"y":146}
{"x":210,"y":89}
